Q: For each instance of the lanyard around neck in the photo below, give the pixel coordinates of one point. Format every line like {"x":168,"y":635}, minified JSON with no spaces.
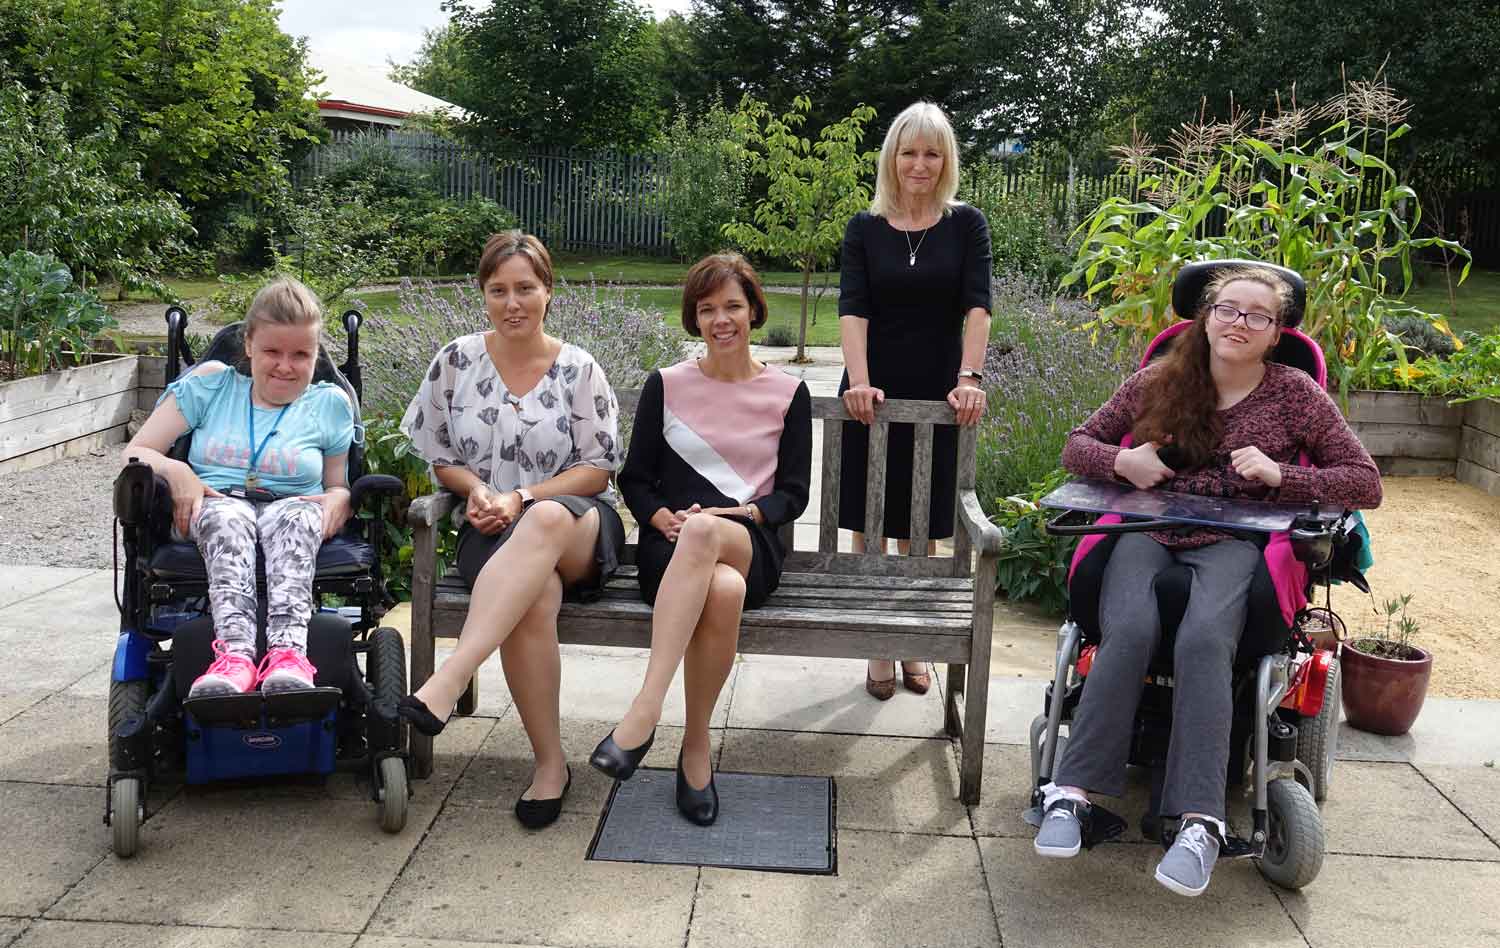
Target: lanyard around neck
{"x":255,"y":451}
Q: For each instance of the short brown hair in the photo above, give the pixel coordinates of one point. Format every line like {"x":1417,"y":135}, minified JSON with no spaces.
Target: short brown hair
{"x":708,"y":274}
{"x":514,"y":243}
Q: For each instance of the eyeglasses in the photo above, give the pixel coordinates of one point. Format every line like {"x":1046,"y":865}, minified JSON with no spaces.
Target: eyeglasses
{"x":1228,"y":315}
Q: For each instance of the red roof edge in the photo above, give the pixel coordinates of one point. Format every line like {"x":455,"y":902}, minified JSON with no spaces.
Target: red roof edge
{"x":364,"y":109}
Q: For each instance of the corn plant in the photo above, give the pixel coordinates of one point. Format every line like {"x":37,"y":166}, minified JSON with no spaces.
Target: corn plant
{"x":1330,"y":206}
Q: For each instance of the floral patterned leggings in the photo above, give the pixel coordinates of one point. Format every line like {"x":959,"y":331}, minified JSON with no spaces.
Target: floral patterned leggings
{"x":290,"y":531}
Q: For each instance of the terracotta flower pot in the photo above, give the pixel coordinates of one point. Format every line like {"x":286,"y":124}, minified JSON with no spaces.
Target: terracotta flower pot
{"x":1383,"y":695}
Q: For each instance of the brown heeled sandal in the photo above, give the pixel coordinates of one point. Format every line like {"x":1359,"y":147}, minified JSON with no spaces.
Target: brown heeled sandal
{"x":917,"y":682}
{"x":882,"y":690}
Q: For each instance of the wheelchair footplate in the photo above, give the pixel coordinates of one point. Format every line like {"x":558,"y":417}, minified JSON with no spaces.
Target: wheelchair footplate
{"x":1098,"y":824}
{"x":277,"y":707}
{"x":1234,"y":847}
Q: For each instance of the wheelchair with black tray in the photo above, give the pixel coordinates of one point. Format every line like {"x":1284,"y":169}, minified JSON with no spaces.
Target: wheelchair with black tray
{"x":1285,"y":673}
{"x":347,"y":720}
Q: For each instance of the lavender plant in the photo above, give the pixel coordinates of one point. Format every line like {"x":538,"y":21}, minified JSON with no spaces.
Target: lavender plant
{"x":1044,"y":377}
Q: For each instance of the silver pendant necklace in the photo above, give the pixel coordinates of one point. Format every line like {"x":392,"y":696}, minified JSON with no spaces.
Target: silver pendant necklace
{"x":911,"y":252}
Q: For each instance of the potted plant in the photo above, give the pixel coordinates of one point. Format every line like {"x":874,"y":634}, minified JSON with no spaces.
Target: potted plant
{"x":1385,"y":677}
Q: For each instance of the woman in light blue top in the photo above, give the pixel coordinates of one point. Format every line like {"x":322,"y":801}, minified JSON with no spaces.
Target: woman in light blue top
{"x":267,"y":466}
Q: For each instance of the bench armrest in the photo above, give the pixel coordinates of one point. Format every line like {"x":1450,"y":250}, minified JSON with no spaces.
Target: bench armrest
{"x":429,"y":509}
{"x":985,"y":536}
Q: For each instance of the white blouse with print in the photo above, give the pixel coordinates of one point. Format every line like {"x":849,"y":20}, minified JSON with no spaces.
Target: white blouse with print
{"x":463,"y":415}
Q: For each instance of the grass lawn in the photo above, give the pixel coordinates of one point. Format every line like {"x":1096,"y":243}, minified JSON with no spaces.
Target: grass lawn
{"x":1477,"y":299}
{"x":581,"y":269}
{"x":786,"y":310}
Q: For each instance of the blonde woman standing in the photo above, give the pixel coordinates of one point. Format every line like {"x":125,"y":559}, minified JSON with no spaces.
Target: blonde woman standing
{"x":914,"y":302}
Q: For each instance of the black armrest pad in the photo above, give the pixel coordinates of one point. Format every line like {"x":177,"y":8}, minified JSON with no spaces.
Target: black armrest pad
{"x":375,"y":485}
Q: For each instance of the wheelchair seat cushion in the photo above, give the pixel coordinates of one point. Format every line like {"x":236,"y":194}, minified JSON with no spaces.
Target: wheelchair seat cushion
{"x":339,"y":556}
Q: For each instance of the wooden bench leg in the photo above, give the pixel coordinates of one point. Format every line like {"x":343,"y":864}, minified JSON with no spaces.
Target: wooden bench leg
{"x":971,"y":769}
{"x":422,"y":662}
{"x":468,"y":702}
{"x":953,"y":722}
{"x":977,"y":692}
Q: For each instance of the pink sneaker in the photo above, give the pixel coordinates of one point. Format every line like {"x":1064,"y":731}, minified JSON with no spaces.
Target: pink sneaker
{"x":230,"y":674}
{"x":285,"y":669}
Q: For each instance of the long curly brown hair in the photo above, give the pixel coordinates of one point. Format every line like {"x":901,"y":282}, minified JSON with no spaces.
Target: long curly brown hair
{"x":1179,"y":403}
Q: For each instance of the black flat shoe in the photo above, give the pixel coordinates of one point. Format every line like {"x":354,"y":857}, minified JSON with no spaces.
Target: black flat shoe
{"x":612,"y":760}
{"x":416,"y":713}
{"x":700,"y":806}
{"x":536,"y":814}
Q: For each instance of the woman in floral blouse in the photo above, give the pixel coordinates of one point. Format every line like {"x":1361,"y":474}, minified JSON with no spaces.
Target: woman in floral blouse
{"x":524,"y":426}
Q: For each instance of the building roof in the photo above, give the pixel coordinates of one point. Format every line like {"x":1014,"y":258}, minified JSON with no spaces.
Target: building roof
{"x":354,"y":90}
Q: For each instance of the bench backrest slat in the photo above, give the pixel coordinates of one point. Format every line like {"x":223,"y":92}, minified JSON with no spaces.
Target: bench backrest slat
{"x":924,"y":416}
{"x":833,"y":465}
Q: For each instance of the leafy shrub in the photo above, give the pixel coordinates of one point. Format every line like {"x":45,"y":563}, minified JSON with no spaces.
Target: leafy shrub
{"x":372,"y":160}
{"x":42,"y":314}
{"x":1328,"y":205}
{"x":779,"y":335}
{"x":706,"y":175}
{"x":438,"y":236}
{"x":1033,"y":565}
{"x":1421,"y":335}
{"x":1043,"y":377}
{"x":1471,"y":372}
{"x":1025,"y":237}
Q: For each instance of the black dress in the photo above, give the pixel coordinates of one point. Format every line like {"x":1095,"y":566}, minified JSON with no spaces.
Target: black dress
{"x":719,"y":444}
{"x":916,"y":319}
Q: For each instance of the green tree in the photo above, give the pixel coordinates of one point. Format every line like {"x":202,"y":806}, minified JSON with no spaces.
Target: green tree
{"x":812,"y":188}
{"x":207,"y":97}
{"x":75,"y":199}
{"x":706,"y":177}
{"x":884,"y":53}
{"x":554,"y":74}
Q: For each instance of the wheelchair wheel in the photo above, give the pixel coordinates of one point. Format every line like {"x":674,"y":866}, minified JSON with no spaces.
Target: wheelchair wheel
{"x":127,"y":702}
{"x":126,"y":813}
{"x":1294,"y":845}
{"x":394,"y":793}
{"x":1318,"y":738}
{"x":385,"y":669}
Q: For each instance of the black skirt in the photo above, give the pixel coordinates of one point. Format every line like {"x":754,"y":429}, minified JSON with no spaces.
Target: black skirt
{"x":475,"y":548}
{"x":655,"y":551}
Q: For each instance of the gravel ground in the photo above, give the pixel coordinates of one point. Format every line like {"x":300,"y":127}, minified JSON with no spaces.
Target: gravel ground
{"x":60,"y":514}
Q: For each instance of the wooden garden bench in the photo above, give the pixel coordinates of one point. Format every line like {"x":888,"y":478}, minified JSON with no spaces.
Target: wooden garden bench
{"x":829,"y":604}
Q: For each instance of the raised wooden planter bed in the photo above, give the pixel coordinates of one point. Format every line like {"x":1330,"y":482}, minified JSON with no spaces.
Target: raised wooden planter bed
{"x":1409,"y":434}
{"x":67,"y":413}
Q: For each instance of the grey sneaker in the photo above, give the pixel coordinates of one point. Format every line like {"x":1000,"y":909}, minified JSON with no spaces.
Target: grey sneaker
{"x":1061,"y":834}
{"x":1186,"y":867}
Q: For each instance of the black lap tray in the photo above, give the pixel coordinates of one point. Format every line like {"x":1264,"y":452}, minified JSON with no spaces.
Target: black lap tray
{"x":248,"y":710}
{"x":1233,"y":513}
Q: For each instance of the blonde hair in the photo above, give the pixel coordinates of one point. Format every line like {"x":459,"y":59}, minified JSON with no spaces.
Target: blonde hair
{"x":918,"y":120}
{"x":285,"y":301}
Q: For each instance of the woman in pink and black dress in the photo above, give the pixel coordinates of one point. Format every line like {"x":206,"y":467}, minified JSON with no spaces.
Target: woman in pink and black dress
{"x":720,"y":457}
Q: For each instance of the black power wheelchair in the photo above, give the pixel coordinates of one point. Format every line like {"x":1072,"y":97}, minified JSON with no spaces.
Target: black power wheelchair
{"x":347,"y":720}
{"x":1286,"y":671}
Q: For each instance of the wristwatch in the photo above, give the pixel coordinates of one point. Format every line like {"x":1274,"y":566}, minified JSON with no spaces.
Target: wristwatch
{"x":974,"y":374}
{"x":526,"y":498}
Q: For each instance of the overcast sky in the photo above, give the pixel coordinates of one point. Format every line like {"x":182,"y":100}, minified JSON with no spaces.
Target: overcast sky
{"x":374,"y":31}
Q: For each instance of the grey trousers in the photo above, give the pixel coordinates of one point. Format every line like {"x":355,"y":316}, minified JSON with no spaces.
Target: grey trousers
{"x":1202,"y":663}
{"x":290,"y":531}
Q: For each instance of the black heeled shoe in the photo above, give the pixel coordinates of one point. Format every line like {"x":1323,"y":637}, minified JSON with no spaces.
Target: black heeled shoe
{"x":419,"y":716}
{"x":536,"y":814}
{"x":700,"y":806}
{"x":612,"y":760}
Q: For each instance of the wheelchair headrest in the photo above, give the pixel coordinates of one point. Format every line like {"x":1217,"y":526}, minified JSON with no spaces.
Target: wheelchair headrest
{"x":228,"y":347}
{"x":1295,"y":348}
{"x":1193,"y":279}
